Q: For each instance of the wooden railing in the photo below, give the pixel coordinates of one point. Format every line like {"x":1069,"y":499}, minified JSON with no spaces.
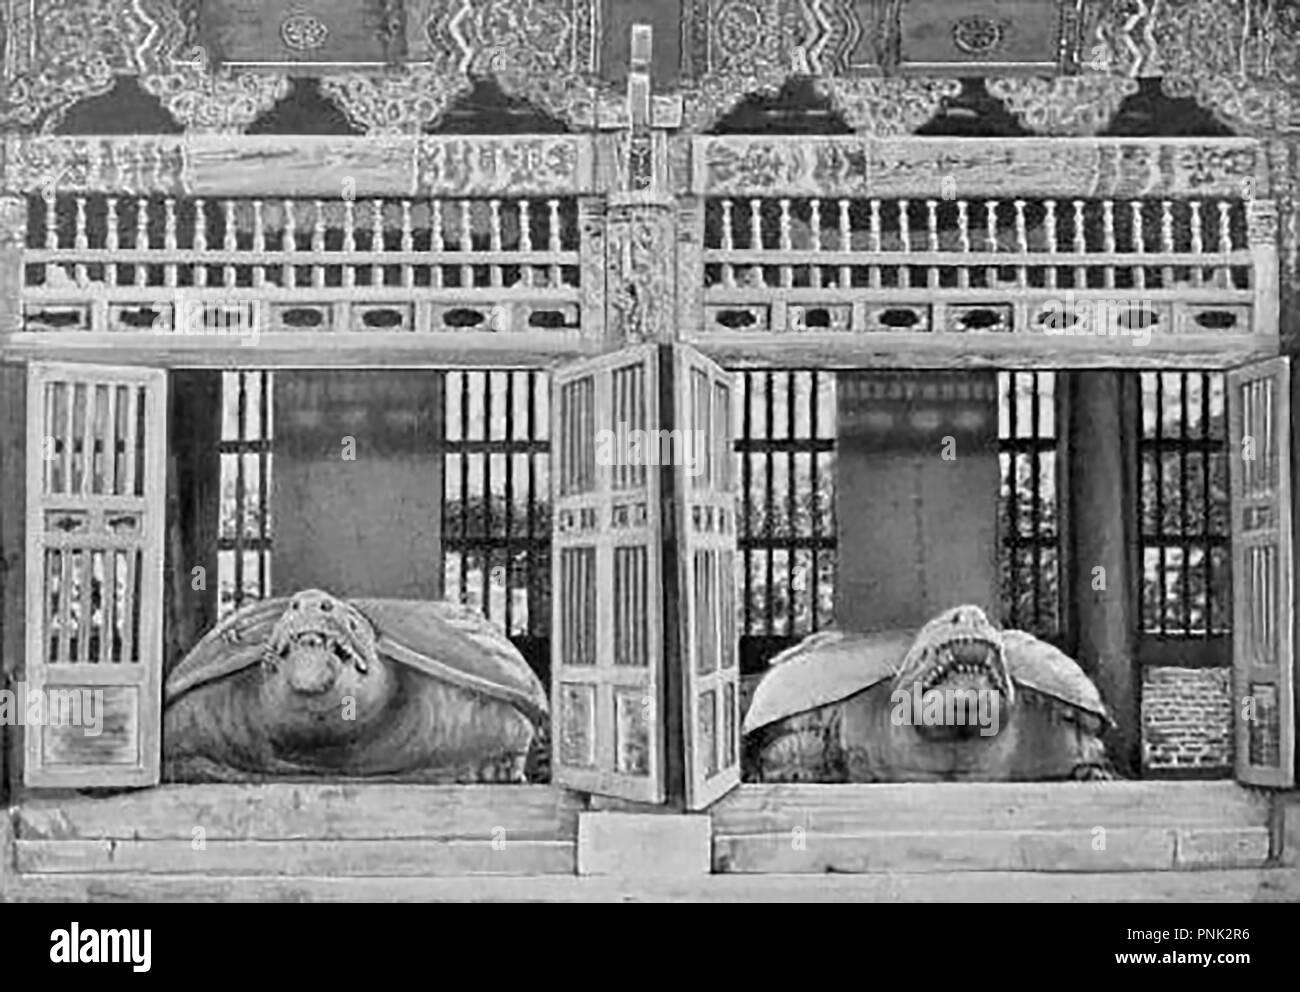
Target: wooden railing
{"x":522,"y":250}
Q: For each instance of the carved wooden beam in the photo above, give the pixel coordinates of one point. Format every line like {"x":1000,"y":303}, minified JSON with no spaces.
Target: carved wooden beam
{"x":826,"y":166}
{"x":303,"y":165}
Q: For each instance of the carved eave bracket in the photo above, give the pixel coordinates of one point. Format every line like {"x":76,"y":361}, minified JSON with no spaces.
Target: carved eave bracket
{"x":871,"y":105}
{"x":401,"y":102}
{"x":1246,"y":105}
{"x":1065,"y":106}
{"x":220,"y":102}
{"x":890,"y":107}
{"x":1239,"y":59}
{"x":718,"y":94}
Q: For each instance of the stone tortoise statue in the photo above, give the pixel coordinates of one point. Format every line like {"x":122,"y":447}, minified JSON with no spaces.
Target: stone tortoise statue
{"x":844,"y":707}
{"x":310,"y":686}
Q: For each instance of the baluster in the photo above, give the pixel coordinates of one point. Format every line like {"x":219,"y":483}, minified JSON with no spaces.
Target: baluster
{"x":1198,"y":243}
{"x":754,"y":276}
{"x":377,"y":241}
{"x":318,"y":244}
{"x":876,"y":246}
{"x":728,"y":244}
{"x":1225,"y":227}
{"x":436,"y":242}
{"x":905,"y":241}
{"x":991,"y":239}
{"x":963,"y":241}
{"x":229,"y":244}
{"x":846,"y":244}
{"x":553,"y":241}
{"x":259,"y":244}
{"x":349,"y":243}
{"x":1223,"y":275}
{"x":932,"y":230}
{"x":1108,"y":240}
{"x":289,"y":246}
{"x":525,"y":241}
{"x":170,"y":272}
{"x":111,"y":241}
{"x":1139,"y":245}
{"x":51,"y":223}
{"x":815,"y":240}
{"x":496,"y":269}
{"x":408,"y":246}
{"x":1167,"y":239}
{"x":1049,"y":228}
{"x":787,"y":244}
{"x":1080,"y":247}
{"x":142,"y":239}
{"x":1022,"y":243}
{"x":81,"y":241}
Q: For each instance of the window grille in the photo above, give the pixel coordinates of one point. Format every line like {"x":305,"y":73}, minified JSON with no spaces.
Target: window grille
{"x":1028,"y":530}
{"x":496,"y":511}
{"x":786,"y":535}
{"x":1186,"y":556}
{"x":244,"y":537}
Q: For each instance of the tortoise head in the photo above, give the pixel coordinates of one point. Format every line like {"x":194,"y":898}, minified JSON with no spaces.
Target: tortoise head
{"x":321,"y":653}
{"x":959,"y":655}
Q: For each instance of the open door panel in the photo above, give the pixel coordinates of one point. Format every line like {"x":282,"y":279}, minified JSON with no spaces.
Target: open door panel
{"x":1263,"y":634}
{"x":704,"y":393}
{"x":96,"y":499}
{"x":607,"y":658}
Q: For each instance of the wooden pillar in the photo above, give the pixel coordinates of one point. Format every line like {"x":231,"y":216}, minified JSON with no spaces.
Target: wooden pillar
{"x":357,"y":483}
{"x":193,"y":510}
{"x":13,"y":474}
{"x":13,"y":555}
{"x":1102,"y":497}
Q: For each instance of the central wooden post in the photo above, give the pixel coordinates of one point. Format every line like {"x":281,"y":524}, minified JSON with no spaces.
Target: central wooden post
{"x":1101,"y":508}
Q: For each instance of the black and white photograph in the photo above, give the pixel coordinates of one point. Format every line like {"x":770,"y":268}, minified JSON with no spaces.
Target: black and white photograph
{"x":671,"y":451}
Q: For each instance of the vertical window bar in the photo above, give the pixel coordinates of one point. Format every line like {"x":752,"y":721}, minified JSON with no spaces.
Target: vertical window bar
{"x":510,"y":499}
{"x":814,"y":398}
{"x":1160,"y":494}
{"x":488,"y":551}
{"x":1037,"y":508}
{"x":1183,"y":528}
{"x":263,"y":470}
{"x":241,"y":492}
{"x":464,"y":488}
{"x":1206,"y":502}
{"x":747,"y":503}
{"x":533,"y":568}
{"x":768,"y":491}
{"x":1013,"y":499}
{"x":792,"y":556}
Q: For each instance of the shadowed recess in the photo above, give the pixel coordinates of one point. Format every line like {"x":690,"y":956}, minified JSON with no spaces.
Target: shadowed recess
{"x":125,"y":109}
{"x":487,"y":109}
{"x":796,"y":109}
{"x":1150,"y":113}
{"x":304,"y":111}
{"x":974,"y":113}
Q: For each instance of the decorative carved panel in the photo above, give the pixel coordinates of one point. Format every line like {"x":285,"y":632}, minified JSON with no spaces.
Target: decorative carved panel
{"x":1066,"y":105}
{"x":402,"y":101}
{"x":1239,"y":58}
{"x":641,"y":272}
{"x":962,"y":39}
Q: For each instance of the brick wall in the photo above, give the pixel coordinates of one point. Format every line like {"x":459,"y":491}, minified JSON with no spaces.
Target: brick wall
{"x":1186,"y":719}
